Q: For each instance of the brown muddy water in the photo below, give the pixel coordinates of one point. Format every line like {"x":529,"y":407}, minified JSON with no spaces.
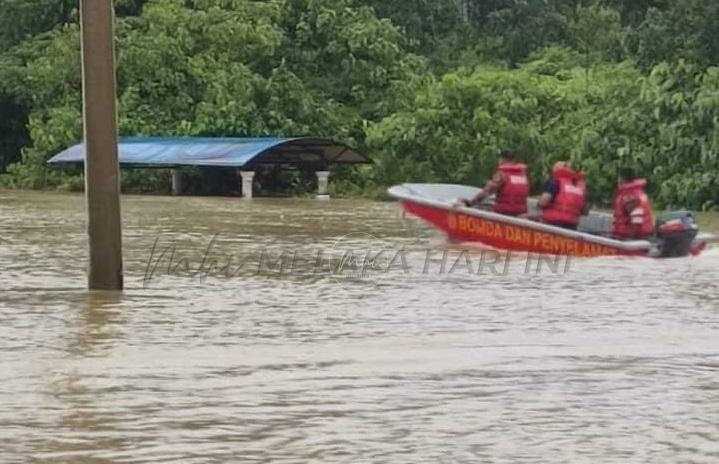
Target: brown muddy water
{"x":264,"y":339}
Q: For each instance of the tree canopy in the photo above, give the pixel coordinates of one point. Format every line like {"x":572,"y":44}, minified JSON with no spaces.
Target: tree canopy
{"x":431,"y":89}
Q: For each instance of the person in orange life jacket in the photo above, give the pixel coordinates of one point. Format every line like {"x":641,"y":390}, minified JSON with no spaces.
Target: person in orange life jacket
{"x":510,"y":185}
{"x":633,"y":216}
{"x":565,"y":197}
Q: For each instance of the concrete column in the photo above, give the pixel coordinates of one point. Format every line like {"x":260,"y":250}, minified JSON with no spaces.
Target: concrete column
{"x":102,"y":171}
{"x":247,"y":178}
{"x":322,"y":182}
{"x":176,"y":182}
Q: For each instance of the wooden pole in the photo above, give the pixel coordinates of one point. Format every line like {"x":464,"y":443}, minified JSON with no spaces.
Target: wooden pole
{"x":102,"y":172}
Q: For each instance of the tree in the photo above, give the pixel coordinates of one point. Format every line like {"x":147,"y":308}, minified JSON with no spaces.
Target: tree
{"x":686,"y":30}
{"x":425,"y":22}
{"x":218,"y":67}
{"x":607,"y":44}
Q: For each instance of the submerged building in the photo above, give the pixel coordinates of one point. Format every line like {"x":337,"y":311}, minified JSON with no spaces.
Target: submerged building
{"x":242,"y":155}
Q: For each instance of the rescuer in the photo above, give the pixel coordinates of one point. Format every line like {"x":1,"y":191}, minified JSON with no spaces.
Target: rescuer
{"x":564,"y":200}
{"x":510,"y":185}
{"x":633,"y":217}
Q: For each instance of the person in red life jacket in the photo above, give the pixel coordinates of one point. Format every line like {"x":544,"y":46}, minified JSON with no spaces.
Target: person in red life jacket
{"x":510,"y":186}
{"x":633,"y":216}
{"x":565,"y":197}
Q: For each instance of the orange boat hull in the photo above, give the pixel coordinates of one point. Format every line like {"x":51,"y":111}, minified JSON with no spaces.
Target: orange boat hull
{"x":467,"y":228}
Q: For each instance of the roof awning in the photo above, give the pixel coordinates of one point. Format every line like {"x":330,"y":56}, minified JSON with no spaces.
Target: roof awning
{"x":223,"y":152}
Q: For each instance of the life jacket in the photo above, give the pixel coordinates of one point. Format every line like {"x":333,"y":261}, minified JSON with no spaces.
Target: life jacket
{"x":511,"y":198}
{"x":623,"y":221}
{"x":568,"y":204}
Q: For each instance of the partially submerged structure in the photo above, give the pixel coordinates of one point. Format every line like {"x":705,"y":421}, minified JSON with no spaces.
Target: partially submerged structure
{"x":242,"y":154}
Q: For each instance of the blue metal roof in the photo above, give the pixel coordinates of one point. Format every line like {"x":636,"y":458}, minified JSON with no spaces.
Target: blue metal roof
{"x":221,"y":151}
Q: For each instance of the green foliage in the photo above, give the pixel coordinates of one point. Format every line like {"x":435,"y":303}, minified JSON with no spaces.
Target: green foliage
{"x":432,"y":89}
{"x":518,"y":27}
{"x":687,"y":30}
{"x":460,"y":122}
{"x":13,"y":132}
{"x":666,"y":125}
{"x":147,"y":181}
{"x":22,"y":19}
{"x":50,"y":130}
{"x":585,"y":24}
{"x":434,"y":28}
{"x":347,"y":53}
{"x":669,"y":132}
{"x":217,"y":67}
{"x":424,"y":21}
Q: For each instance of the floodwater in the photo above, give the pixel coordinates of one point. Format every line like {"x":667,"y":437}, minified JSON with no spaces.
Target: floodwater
{"x":260,"y":343}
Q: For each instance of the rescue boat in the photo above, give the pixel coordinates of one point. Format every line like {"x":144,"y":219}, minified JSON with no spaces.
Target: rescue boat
{"x":677,"y":233}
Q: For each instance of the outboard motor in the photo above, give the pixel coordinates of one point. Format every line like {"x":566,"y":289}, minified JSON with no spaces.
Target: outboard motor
{"x":675,"y":232}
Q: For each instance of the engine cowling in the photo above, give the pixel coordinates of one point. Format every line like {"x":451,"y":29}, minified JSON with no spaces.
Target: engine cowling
{"x":675,"y":233}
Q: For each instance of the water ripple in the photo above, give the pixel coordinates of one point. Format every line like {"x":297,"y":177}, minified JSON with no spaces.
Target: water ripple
{"x":612,"y":361}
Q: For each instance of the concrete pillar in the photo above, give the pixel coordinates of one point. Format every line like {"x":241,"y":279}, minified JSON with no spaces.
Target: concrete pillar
{"x":176,"y":182}
{"x":247,"y":178}
{"x":102,"y":171}
{"x":322,"y":182}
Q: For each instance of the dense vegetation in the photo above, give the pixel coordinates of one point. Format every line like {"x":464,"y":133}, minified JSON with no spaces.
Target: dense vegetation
{"x":431,"y":89}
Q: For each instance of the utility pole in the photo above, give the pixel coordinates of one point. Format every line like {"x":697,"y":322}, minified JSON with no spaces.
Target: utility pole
{"x":102,"y":171}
